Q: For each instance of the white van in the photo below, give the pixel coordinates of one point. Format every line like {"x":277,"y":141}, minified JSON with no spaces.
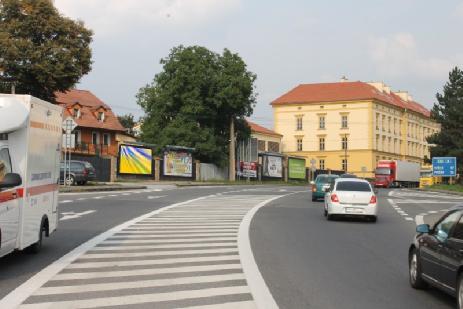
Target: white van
{"x":30,"y":149}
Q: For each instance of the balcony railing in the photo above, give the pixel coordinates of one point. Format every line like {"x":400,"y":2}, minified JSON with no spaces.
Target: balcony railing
{"x":96,"y":149}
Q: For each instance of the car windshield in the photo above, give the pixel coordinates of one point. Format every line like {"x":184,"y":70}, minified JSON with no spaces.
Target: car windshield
{"x":325,"y":179}
{"x":353,"y":186}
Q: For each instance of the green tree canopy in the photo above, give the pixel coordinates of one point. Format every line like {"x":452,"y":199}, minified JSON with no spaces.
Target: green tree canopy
{"x":128,"y":122}
{"x":190,"y":103}
{"x":448,"y":111}
{"x":41,"y":51}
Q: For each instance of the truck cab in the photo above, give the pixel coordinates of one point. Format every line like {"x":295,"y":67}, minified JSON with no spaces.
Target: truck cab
{"x":384,"y":174}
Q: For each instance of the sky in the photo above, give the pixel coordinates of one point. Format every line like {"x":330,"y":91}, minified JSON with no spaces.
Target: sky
{"x":410,"y":45}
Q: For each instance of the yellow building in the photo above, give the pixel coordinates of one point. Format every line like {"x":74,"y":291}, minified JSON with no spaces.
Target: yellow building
{"x":351,"y":125}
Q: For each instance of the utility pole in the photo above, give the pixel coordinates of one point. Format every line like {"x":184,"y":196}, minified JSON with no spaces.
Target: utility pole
{"x":13,"y":88}
{"x":231,"y":156}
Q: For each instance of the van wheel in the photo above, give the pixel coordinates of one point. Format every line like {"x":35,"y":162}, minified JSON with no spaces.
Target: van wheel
{"x":35,"y":247}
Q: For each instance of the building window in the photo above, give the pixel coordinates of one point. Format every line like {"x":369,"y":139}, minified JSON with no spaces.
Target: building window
{"x":101,"y":116}
{"x":78,"y":137}
{"x":299,"y":123}
{"x":95,"y":138}
{"x":383,"y":122}
{"x":344,"y":165}
{"x":344,"y":121}
{"x":299,"y":144}
{"x":322,"y":143}
{"x":377,"y":121}
{"x":76,"y":113}
{"x":106,"y":139}
{"x":377,"y":141}
{"x":322,"y":164}
{"x":321,"y":122}
{"x":395,"y":126}
{"x":261,"y":145}
{"x":344,"y":143}
{"x":274,"y":146}
{"x":389,"y":124}
{"x":389,"y":144}
{"x":395,"y":145}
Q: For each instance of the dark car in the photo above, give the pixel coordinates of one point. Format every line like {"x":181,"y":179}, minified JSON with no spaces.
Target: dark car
{"x":321,"y":182}
{"x":80,"y":173}
{"x":348,"y":176}
{"x":436,"y":255}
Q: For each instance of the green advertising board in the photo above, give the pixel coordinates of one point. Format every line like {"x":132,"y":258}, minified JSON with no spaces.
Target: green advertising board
{"x":296,"y":168}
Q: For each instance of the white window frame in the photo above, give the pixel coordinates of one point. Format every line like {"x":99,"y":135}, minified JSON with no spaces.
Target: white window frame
{"x":109,"y":139}
{"x":299,"y":144}
{"x":97,"y":137}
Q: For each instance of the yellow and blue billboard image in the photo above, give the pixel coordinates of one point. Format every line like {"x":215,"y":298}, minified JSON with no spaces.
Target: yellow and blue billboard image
{"x":135,"y":160}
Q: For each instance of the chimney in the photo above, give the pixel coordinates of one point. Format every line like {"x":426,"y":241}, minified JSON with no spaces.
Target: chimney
{"x":403,"y":95}
{"x":344,"y":79}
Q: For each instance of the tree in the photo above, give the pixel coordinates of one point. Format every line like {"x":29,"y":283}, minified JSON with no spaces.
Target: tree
{"x":128,"y":122}
{"x":191,"y":101}
{"x":41,"y":51}
{"x":448,"y":111}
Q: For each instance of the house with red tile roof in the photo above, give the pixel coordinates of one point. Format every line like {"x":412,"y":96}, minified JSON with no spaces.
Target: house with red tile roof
{"x":350,"y":126}
{"x":267,"y":140}
{"x":98,"y":126}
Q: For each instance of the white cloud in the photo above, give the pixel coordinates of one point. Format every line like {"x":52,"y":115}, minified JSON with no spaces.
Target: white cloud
{"x":399,"y":56}
{"x":107,"y":17}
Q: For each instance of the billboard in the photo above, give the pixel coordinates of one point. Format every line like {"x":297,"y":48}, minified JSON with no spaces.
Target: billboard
{"x":272,"y":166}
{"x":135,"y":160}
{"x":296,"y":168}
{"x":178,"y":163}
{"x":248,"y":169}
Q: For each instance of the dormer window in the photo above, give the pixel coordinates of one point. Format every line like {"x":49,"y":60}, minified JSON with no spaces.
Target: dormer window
{"x":76,"y":112}
{"x":101,"y":116}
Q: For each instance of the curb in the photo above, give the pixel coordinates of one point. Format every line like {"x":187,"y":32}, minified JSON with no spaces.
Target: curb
{"x":100,"y":189}
{"x":440,"y":191}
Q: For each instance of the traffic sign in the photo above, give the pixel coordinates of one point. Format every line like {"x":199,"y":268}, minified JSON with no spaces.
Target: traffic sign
{"x":69,"y":141}
{"x":444,"y":166}
{"x":69,"y":124}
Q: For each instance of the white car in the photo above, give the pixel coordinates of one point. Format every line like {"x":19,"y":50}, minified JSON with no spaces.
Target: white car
{"x":351,"y":197}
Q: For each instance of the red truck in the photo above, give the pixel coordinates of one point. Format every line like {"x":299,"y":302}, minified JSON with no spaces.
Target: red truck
{"x":395,"y":173}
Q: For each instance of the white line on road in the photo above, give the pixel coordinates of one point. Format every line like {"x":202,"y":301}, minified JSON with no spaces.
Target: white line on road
{"x":65,"y":201}
{"x":75,"y":215}
{"x":155,"y":197}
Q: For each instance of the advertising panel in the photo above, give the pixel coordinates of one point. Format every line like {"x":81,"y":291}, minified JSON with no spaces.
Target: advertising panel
{"x":248,"y":169}
{"x":178,"y":163}
{"x":272,"y":166}
{"x":296,"y":168}
{"x":135,"y":160}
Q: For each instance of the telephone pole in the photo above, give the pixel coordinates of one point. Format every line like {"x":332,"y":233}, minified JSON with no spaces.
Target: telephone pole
{"x":231,"y":156}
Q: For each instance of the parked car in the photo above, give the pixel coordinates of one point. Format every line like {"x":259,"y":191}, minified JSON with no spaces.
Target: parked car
{"x":351,"y":197}
{"x":436,"y":255}
{"x":321,"y":182}
{"x":81,"y":173}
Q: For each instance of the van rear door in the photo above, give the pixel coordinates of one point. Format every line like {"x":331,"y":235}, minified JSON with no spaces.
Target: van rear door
{"x":9,"y":207}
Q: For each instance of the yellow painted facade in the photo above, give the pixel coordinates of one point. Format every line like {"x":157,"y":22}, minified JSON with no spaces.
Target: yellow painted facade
{"x":375,"y":130}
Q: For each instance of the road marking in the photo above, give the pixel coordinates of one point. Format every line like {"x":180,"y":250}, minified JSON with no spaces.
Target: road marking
{"x":409,"y":219}
{"x":419,"y":219}
{"x":69,"y":215}
{"x":65,"y":202}
{"x":155,"y":197}
{"x":98,"y":197}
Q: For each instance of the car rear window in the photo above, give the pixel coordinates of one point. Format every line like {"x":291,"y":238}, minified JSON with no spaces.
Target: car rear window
{"x":325,"y":179}
{"x":353,"y":186}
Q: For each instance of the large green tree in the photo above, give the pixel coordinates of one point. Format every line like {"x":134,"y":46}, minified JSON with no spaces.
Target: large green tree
{"x":192,"y":100}
{"x":448,"y":111}
{"x":41,"y":51}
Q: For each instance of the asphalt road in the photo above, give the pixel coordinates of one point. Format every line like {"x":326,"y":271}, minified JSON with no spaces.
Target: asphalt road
{"x":306,"y":261}
{"x":309,"y":262}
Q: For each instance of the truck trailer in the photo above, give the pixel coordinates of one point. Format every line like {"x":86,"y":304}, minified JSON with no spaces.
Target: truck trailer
{"x":395,"y":173}
{"x":30,"y":151}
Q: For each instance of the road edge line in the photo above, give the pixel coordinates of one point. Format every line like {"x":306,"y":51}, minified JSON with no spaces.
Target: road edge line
{"x":16,"y":297}
{"x":259,"y":289}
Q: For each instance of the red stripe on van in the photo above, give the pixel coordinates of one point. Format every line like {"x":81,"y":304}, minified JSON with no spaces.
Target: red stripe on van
{"x":8,"y":196}
{"x":42,"y":189}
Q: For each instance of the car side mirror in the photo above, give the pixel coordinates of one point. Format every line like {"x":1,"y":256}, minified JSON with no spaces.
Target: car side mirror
{"x":11,"y":180}
{"x":423,"y":229}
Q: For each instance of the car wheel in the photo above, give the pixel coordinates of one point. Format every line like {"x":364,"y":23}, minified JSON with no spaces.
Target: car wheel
{"x":329,"y":217}
{"x":416,"y":281}
{"x":70,"y":180}
{"x":460,"y":292}
{"x":35,"y":247}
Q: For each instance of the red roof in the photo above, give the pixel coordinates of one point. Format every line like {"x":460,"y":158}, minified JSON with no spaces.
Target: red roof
{"x":89,"y":107}
{"x":345,"y":91}
{"x":260,"y":129}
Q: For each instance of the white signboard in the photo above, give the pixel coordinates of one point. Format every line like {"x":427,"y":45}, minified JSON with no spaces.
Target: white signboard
{"x":272,"y":166}
{"x":69,"y":141}
{"x":69,"y":124}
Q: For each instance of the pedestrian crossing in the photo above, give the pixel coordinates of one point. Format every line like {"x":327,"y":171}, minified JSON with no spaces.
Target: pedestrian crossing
{"x":184,"y":257}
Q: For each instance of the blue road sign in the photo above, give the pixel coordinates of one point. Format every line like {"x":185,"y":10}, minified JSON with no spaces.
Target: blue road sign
{"x":444,"y":166}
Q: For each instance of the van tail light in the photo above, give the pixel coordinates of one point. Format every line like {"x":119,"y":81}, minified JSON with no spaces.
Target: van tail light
{"x":85,"y":172}
{"x":373,"y":199}
{"x":334,"y":198}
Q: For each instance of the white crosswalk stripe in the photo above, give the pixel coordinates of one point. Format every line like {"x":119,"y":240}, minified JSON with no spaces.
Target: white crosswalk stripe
{"x":186,"y":256}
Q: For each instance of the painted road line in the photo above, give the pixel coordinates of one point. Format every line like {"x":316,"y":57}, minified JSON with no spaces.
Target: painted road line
{"x":152,"y":262}
{"x":160,"y":246}
{"x":137,"y":299}
{"x":419,"y":219}
{"x":135,"y":284}
{"x":156,"y":253}
{"x":156,"y":197}
{"x":409,"y":219}
{"x":65,"y":201}
{"x":163,"y":232}
{"x":75,"y":215}
{"x":150,"y":241}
